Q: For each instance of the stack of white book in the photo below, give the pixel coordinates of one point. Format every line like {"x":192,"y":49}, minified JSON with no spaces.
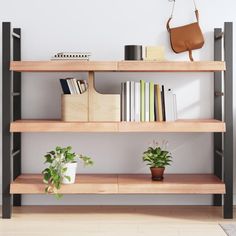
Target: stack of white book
{"x":146,"y":101}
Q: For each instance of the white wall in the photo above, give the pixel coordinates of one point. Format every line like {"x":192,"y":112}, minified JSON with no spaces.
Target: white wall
{"x":104,"y":27}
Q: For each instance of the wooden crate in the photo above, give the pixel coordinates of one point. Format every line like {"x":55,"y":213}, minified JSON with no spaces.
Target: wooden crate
{"x":91,"y":105}
{"x":74,"y":107}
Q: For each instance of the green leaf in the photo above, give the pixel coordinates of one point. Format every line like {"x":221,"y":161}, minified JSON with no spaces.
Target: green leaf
{"x":67,"y":177}
{"x":58,"y":196}
{"x":52,"y":152}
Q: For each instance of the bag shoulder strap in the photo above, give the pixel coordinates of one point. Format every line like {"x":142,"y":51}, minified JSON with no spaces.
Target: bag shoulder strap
{"x":172,"y":12}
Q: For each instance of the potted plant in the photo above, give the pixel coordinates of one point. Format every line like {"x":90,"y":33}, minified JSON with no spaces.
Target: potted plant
{"x":62,"y":168}
{"x":157,"y":157}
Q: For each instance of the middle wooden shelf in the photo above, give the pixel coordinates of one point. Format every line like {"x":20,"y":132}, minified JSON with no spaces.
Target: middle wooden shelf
{"x":201,"y":125}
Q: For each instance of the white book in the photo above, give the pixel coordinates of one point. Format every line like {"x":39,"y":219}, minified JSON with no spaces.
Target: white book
{"x":74,"y":81}
{"x":69,"y":82}
{"x":86,"y":84}
{"x":122,"y":102}
{"x":175,"y":107}
{"x":169,"y":105}
{"x":127,"y":102}
{"x":147,"y":101}
{"x":132,"y":100}
{"x":83,"y":87}
{"x":79,"y":86}
{"x":137,"y":101}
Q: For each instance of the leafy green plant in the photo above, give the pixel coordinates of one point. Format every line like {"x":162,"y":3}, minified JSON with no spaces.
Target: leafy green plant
{"x":157,"y":156}
{"x":55,"y":172}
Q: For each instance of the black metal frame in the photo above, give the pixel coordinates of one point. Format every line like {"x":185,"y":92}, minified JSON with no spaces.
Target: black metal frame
{"x":228,"y":117}
{"x":11,"y":110}
{"x":223,"y":143}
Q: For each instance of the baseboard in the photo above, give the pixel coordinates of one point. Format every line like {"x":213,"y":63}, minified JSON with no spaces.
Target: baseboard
{"x":30,"y":200}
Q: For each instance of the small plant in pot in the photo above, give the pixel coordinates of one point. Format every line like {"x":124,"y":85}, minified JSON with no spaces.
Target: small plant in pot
{"x":157,"y":157}
{"x":62,"y":168}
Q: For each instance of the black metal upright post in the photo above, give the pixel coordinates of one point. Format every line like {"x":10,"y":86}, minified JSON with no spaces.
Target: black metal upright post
{"x":6,"y":118}
{"x":218,"y":93}
{"x":16,"y":94}
{"x":228,"y":106}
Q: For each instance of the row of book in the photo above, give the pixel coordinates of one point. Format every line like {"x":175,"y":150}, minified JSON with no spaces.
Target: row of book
{"x":73,"y":86}
{"x":146,"y":101}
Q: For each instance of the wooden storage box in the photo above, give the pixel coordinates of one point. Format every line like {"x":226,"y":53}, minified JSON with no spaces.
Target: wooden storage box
{"x":74,"y":107}
{"x":91,"y":105}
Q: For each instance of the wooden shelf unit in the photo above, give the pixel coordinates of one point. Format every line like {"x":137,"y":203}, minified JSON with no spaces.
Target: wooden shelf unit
{"x":125,"y":184}
{"x":13,"y":126}
{"x":121,"y":127}
{"x":119,"y":66}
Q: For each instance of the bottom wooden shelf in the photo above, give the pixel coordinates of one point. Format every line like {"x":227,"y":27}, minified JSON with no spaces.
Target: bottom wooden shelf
{"x":125,"y":184}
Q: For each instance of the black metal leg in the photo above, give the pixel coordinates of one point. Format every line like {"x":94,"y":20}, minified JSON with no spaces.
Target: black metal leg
{"x":228,"y":136}
{"x":16,"y":112}
{"x":6,"y":118}
{"x":217,"y":198}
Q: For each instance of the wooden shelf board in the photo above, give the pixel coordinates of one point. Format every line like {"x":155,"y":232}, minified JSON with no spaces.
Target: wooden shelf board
{"x":93,"y":184}
{"x":176,"y":126}
{"x":172,"y":66}
{"x":125,"y":184}
{"x":62,"y":66}
{"x":125,"y":66}
{"x":60,"y":126}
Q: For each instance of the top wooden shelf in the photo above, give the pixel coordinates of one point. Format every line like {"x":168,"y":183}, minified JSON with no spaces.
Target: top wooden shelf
{"x":117,"y":66}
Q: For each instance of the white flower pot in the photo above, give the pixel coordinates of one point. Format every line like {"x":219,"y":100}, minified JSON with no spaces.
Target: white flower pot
{"x":71,"y":172}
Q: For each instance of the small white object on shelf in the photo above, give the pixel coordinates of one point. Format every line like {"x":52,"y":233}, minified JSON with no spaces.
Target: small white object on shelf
{"x":83,"y":56}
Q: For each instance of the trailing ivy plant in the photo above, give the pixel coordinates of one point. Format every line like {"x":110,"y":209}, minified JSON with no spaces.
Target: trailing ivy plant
{"x":157,"y":156}
{"x":55,"y":172}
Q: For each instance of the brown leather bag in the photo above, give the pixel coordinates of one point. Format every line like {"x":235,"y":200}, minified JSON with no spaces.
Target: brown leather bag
{"x":186,"y":38}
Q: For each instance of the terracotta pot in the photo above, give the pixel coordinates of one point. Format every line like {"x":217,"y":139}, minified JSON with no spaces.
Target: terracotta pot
{"x":157,"y":173}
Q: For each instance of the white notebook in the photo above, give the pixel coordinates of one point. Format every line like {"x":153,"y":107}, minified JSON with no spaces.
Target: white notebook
{"x":137,"y":101}
{"x":147,"y":101}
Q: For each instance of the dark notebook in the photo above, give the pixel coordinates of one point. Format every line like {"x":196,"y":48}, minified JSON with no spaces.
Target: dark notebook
{"x":163,"y":102}
{"x":64,"y":86}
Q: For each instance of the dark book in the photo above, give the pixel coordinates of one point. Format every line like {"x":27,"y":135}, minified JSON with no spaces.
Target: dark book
{"x":64,"y":86}
{"x":155,"y":103}
{"x":163,"y":102}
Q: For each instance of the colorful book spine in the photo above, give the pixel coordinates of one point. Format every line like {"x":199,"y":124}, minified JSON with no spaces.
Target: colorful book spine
{"x":122,"y":102}
{"x":151,"y":102}
{"x":64,"y":86}
{"x":132,"y":97}
{"x":163,"y":102}
{"x":137,"y":102}
{"x":159,"y":104}
{"x":70,"y":85}
{"x":142,"y":96}
{"x":127,"y":101}
{"x":175,"y":107}
{"x":169,"y":105}
{"x":76,"y":87}
{"x":147,"y":98}
{"x":155,"y":103}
